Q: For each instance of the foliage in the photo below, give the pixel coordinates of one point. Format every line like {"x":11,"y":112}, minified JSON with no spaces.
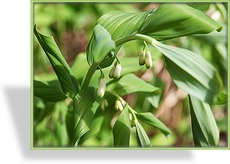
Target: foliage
{"x":103,"y":97}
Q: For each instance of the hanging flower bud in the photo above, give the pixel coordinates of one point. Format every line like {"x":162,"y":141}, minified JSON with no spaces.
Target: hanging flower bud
{"x":101,"y":87}
{"x":142,"y":58}
{"x":148,"y":60}
{"x":132,"y":120}
{"x":111,"y":72}
{"x":117,"y":71}
{"x":118,"y":105}
{"x":104,"y":104}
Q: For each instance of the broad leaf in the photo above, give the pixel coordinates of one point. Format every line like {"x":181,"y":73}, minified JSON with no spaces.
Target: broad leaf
{"x":49,"y":91}
{"x":100,"y":45}
{"x":96,"y":126}
{"x":84,"y":107}
{"x":80,"y":66}
{"x":176,"y":20}
{"x":142,"y":136}
{"x":65,"y":76}
{"x":121,"y":129}
{"x":150,"y":119}
{"x":120,"y":24}
{"x":204,"y":128}
{"x":191,"y":72}
{"x":130,"y":83}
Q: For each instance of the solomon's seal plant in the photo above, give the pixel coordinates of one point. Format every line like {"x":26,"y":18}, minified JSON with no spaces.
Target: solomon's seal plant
{"x":89,"y":100}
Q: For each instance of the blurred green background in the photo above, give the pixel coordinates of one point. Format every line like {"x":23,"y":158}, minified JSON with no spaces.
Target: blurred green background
{"x":71,"y":25}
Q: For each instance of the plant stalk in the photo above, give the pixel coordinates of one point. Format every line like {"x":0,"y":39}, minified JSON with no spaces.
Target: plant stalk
{"x":89,"y":75}
{"x":135,"y":37}
{"x":118,"y":42}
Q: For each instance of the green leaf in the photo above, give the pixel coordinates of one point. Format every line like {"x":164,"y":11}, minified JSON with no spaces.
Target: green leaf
{"x":121,"y":129}
{"x":222,"y":99}
{"x":65,"y":76}
{"x":129,"y":65}
{"x":96,"y":126}
{"x":176,"y":20}
{"x":84,"y":107}
{"x":142,"y":136}
{"x":200,"y":6}
{"x":41,"y":109}
{"x":100,"y":45}
{"x":191,"y":72}
{"x":60,"y":130}
{"x":120,"y":24}
{"x":150,"y":119}
{"x":80,"y":66}
{"x":69,"y":122}
{"x":59,"y":123}
{"x":130,"y":83}
{"x":213,"y":37}
{"x":204,"y":127}
{"x":49,"y":91}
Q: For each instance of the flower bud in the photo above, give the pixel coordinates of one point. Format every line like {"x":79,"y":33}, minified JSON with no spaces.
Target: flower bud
{"x":104,"y":104}
{"x":148,"y":60}
{"x":117,"y":71}
{"x":132,"y":120}
{"x":142,"y":58}
{"x":111,"y":72}
{"x":101,"y":87}
{"x":118,"y":105}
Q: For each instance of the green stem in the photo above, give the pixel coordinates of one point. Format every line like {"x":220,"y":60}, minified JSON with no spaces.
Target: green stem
{"x":135,"y":37}
{"x":89,"y":75}
{"x":124,"y":40}
{"x":118,"y":42}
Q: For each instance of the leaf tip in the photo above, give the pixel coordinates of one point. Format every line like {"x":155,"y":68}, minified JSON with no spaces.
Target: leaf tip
{"x":219,"y":28}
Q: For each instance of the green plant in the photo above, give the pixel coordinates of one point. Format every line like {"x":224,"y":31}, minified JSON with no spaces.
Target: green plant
{"x":109,"y":78}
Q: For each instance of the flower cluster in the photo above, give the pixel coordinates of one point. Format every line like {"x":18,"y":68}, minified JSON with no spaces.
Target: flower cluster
{"x":115,"y":72}
{"x":145,"y":58}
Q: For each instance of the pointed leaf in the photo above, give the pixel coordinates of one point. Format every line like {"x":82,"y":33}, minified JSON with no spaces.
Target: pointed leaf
{"x":142,"y":136}
{"x":150,"y":119}
{"x":84,"y":108}
{"x":204,"y":127}
{"x":100,"y":45}
{"x":50,"y":90}
{"x":130,"y":83}
{"x":176,"y":20}
{"x":121,"y":129}
{"x":118,"y":24}
{"x":191,"y":72}
{"x":65,"y":76}
{"x":214,"y":37}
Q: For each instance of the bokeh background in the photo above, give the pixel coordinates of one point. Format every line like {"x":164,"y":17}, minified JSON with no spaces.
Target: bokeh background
{"x":71,"y":25}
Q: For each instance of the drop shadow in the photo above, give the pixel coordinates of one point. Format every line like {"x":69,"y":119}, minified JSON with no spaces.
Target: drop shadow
{"x":18,"y":99}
